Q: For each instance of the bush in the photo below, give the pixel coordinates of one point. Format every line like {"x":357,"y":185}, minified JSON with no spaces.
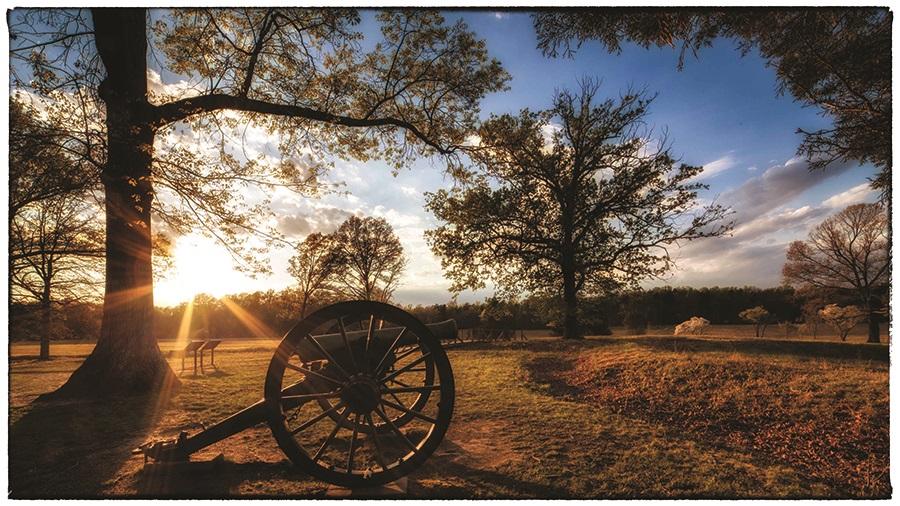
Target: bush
{"x":843,"y":319}
{"x":695,"y":326}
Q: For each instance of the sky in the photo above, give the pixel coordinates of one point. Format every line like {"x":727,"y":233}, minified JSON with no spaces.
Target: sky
{"x":721,"y":112}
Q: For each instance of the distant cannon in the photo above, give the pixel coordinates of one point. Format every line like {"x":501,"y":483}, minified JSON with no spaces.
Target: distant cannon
{"x":383,"y":391}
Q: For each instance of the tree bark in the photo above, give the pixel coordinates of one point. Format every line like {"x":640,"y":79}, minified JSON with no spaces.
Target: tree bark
{"x":874,"y":328}
{"x":571,"y":328}
{"x":127,"y":357}
{"x":46,"y":324}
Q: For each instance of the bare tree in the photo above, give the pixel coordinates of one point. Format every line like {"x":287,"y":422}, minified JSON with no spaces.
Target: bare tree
{"x":300,"y":74}
{"x":313,"y":267}
{"x":567,"y":201}
{"x":846,"y":254}
{"x":56,"y":252}
{"x":368,"y":259}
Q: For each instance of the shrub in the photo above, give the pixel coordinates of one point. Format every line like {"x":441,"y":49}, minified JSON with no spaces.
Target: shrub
{"x":695,"y":326}
{"x":757,"y":315}
{"x":843,"y":319}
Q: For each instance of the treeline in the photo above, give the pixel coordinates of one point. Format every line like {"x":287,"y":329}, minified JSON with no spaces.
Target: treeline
{"x":272,"y":313}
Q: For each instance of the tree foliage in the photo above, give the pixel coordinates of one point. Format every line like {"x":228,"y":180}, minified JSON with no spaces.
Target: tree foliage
{"x":842,"y":318}
{"x":759,"y":316}
{"x":304,"y":77}
{"x":367,"y":259}
{"x":568,"y":201}
{"x":837,"y":59}
{"x":313,"y":267}
{"x":846,"y":254}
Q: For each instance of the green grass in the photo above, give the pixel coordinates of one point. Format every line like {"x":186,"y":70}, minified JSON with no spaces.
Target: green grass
{"x":614,"y":417}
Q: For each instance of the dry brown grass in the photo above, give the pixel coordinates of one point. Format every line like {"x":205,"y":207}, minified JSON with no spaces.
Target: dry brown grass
{"x":827,"y":418}
{"x":614,"y":417}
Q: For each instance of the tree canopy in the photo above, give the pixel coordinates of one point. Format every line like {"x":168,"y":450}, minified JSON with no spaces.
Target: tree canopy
{"x":306,"y":77}
{"x":837,"y":59}
{"x":574,"y":199}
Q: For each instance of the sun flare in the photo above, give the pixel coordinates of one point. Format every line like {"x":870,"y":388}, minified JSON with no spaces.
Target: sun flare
{"x":200,"y":266}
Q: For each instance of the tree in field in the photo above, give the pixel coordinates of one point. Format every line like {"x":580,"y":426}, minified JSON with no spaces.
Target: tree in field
{"x":313,"y":268}
{"x":55,"y":243}
{"x":846,"y":254}
{"x":843,"y":319}
{"x":56,"y":253}
{"x":759,"y":316}
{"x":367,"y":259}
{"x":301,"y":75}
{"x":569,"y":201}
{"x":836,"y":59}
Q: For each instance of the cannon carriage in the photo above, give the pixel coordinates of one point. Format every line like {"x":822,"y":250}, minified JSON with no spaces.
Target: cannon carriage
{"x":357,"y":394}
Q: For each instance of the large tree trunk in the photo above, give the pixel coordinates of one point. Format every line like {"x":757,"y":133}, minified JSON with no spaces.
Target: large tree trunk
{"x":571,"y":328}
{"x":127,"y":358}
{"x":46,"y":324}
{"x":874,"y":328}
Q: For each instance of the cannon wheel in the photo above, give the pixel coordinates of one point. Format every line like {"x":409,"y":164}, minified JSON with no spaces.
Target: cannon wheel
{"x":355,"y":450}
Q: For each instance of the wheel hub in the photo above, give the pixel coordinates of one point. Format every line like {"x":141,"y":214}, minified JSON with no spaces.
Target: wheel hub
{"x":361,"y":394}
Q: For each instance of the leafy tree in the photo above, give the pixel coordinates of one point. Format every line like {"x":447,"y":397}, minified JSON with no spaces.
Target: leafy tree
{"x":759,"y":316}
{"x":846,"y":254}
{"x":301,"y":75}
{"x":588,"y":209}
{"x":312,"y":267}
{"x":843,"y":319}
{"x":367,"y":259}
{"x":837,"y":59}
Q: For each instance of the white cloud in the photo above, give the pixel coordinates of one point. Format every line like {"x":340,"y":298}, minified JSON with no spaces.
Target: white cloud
{"x":855,"y":195}
{"x":754,"y":252}
{"x":715,"y":167}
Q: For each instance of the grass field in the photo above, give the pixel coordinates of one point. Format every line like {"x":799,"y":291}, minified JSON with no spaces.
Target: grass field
{"x":647,"y":416}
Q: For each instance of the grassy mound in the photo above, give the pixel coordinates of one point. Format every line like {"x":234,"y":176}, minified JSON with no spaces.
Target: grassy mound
{"x":826,"y":418}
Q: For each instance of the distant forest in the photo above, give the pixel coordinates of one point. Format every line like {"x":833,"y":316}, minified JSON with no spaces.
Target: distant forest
{"x":272,"y":313}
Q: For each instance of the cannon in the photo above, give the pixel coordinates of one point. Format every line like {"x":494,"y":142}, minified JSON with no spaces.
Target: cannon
{"x":357,"y":394}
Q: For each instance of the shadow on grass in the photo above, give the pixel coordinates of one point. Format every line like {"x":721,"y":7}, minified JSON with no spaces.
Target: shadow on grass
{"x":71,"y":449}
{"x":214,"y":479}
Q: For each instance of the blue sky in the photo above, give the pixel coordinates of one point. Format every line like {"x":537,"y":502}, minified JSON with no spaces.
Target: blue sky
{"x":721,"y":112}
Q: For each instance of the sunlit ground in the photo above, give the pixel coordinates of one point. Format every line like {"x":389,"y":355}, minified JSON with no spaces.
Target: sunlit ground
{"x":642,"y":417}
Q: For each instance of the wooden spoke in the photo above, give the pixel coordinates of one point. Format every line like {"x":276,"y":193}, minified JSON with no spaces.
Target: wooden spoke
{"x":347,"y":343}
{"x":410,"y":411}
{"x":352,"y":444}
{"x":406,"y":353}
{"x":405,"y":368}
{"x":396,"y":430}
{"x":425,"y":388}
{"x":369,"y":341}
{"x":312,"y":397}
{"x":312,"y":373}
{"x":402,"y":384}
{"x":327,"y":355}
{"x":318,"y":417}
{"x":330,"y":438}
{"x":390,"y":349}
{"x":374,"y":431}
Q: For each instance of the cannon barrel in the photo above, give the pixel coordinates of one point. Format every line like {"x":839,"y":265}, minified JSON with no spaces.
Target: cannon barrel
{"x":381,"y":340}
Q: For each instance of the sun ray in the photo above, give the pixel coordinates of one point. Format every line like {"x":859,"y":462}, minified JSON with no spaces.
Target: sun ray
{"x":184,"y":328}
{"x":254,"y":325}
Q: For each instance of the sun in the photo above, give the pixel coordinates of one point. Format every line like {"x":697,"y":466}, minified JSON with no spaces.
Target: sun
{"x":200,"y":265}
